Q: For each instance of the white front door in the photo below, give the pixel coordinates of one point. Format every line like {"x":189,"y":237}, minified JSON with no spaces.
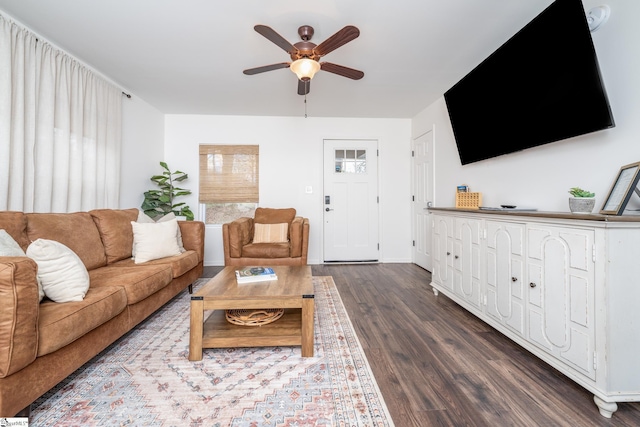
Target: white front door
{"x":350,"y":203}
{"x":423,"y":196}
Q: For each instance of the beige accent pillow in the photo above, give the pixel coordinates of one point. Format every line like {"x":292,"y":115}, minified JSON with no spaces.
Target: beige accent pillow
{"x":61,"y":272}
{"x":146,"y":219}
{"x":155,"y":240}
{"x":270,"y":233}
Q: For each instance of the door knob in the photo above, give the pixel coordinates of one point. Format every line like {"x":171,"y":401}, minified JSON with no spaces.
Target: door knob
{"x":327,"y":209}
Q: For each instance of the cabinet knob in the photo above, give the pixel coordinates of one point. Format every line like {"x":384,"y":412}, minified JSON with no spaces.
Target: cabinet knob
{"x":532,"y":285}
{"x":514,"y":279}
{"x":455,"y":256}
{"x":448,"y":253}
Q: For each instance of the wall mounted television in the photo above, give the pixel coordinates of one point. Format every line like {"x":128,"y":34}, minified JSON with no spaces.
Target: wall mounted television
{"x":542,"y":85}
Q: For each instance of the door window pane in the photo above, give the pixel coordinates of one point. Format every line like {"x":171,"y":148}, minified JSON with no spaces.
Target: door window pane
{"x":350,"y":161}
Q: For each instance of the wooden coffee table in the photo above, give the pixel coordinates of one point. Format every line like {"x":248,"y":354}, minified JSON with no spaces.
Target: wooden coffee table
{"x":293,"y":291}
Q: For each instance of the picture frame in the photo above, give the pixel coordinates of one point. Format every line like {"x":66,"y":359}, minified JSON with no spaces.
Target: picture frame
{"x":623,"y":187}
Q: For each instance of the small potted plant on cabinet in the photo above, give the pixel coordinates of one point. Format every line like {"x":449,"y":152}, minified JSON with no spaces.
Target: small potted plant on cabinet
{"x":581,"y":201}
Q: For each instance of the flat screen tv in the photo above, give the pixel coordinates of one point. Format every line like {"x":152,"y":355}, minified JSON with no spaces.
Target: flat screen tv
{"x":542,"y":85}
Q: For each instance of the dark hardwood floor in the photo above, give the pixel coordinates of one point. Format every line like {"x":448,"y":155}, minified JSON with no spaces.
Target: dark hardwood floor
{"x":438,"y":365}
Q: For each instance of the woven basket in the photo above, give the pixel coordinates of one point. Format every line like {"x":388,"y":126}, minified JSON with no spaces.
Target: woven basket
{"x":468,"y":200}
{"x":253,"y":317}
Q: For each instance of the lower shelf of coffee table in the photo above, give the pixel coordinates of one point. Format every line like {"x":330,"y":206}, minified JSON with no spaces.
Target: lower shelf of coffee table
{"x":286,"y":331}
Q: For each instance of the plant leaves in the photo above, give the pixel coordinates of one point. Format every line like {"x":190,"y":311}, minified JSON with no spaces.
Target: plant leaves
{"x":160,"y":202}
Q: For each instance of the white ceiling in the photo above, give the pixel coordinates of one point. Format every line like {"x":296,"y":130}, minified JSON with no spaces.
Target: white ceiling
{"x":187,"y":56}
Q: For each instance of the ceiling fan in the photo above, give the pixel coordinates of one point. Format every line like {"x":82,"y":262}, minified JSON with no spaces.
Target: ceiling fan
{"x":305,"y":55}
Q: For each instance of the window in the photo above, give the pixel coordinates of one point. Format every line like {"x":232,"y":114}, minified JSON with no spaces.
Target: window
{"x":351,"y":161}
{"x":229,"y":181}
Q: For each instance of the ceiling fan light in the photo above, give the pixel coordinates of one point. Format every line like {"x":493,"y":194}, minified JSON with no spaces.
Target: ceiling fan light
{"x":305,"y":68}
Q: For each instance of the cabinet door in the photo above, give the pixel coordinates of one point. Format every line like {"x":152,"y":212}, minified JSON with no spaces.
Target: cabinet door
{"x":466,"y":260}
{"x":561,"y":294}
{"x":505,"y":274}
{"x":443,"y":251}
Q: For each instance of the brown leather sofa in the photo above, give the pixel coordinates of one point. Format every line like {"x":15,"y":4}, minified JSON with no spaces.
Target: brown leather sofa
{"x":240,"y":248}
{"x":41,"y":343}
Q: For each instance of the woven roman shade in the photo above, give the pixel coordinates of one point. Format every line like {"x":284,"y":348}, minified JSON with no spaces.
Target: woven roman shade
{"x":229,"y":174}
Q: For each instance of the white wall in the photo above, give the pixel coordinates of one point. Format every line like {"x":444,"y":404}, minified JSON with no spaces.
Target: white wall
{"x":540,"y":177}
{"x":291,"y":153}
{"x":142,"y":150}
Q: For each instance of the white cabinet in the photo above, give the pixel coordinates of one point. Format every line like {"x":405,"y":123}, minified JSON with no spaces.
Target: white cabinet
{"x":442,"y":251}
{"x":466,"y":260}
{"x":564,"y":286}
{"x":505,"y":280}
{"x":561,"y":318}
{"x":456,"y":257}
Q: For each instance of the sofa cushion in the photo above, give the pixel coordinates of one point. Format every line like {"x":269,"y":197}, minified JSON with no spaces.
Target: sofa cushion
{"x":274,"y":216}
{"x":179,"y":264}
{"x":19,"y":314}
{"x":15,"y":223}
{"x":154,"y":241}
{"x":138,"y":281}
{"x":114,"y":226}
{"x":61,"y":273}
{"x":270,"y":233}
{"x":77,"y":231}
{"x":266,"y":250}
{"x":62,"y":323}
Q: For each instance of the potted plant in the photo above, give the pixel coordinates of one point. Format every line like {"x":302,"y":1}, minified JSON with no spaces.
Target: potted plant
{"x":581,"y":201}
{"x":158,"y":203}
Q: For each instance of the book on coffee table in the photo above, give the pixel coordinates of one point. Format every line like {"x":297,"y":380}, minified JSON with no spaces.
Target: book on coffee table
{"x":255,"y":274}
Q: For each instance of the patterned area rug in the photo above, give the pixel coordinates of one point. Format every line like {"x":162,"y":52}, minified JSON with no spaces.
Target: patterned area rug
{"x":145,"y":379}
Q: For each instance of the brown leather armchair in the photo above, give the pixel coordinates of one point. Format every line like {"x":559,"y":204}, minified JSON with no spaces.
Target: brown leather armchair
{"x":264,"y":240}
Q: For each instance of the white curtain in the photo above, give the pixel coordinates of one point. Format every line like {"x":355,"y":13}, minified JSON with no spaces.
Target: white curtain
{"x":60,"y":129}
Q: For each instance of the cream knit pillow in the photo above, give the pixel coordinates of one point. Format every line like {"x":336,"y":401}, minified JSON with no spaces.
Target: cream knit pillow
{"x":61,"y":272}
{"x":155,"y":240}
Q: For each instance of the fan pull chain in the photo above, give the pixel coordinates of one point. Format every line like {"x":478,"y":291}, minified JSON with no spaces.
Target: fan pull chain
{"x":306,"y":90}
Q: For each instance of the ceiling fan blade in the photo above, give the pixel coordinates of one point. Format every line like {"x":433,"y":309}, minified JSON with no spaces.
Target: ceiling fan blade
{"x":340,"y":38}
{"x":304,"y":86}
{"x":341,"y":70}
{"x":252,"y":71}
{"x":276,"y":38}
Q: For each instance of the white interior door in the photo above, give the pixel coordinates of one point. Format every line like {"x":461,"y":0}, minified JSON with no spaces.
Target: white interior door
{"x":350,"y":203}
{"x":423,"y":197}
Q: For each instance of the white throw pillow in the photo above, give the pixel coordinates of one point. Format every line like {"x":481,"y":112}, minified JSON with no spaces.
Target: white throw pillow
{"x":146,"y":219}
{"x":156,"y":240}
{"x":63,"y":276}
{"x":8,"y":246}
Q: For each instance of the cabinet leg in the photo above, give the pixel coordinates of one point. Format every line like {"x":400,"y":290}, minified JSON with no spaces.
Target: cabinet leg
{"x":606,"y":408}
{"x":435,"y":291}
